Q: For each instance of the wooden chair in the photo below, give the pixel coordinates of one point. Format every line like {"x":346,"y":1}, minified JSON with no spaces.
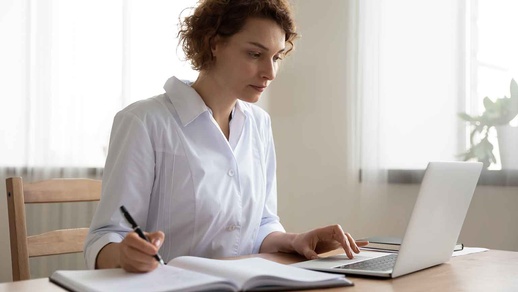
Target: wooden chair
{"x":49,"y":243}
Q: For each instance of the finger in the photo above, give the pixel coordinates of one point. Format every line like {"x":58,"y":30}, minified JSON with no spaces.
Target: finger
{"x":156,"y":238}
{"x":310,"y":254}
{"x":134,"y":260}
{"x":347,"y":248}
{"x":362,"y":243}
{"x":137,"y":258}
{"x":133,"y":240}
{"x":139,"y":269}
{"x":352,"y":243}
{"x":133,"y":254}
{"x":339,"y":235}
{"x":134,"y":267}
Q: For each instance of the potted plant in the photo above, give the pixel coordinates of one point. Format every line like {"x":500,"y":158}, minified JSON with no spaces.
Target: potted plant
{"x":497,"y":114}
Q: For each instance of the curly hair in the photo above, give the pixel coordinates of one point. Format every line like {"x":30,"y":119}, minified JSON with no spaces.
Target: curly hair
{"x":224,"y":18}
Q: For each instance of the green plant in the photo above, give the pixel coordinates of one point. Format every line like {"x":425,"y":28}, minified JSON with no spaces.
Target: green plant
{"x":498,"y":112}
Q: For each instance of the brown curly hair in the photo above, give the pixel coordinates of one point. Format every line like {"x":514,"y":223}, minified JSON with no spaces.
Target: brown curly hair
{"x":224,"y":18}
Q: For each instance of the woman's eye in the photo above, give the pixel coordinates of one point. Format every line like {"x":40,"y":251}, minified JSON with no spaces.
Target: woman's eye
{"x":254,"y":55}
{"x":277,"y":58}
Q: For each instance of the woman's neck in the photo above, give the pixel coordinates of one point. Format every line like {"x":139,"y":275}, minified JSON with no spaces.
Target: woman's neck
{"x":217,"y":99}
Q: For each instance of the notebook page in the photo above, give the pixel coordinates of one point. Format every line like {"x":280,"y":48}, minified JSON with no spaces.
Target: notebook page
{"x":164,"y":278}
{"x":245,"y":270}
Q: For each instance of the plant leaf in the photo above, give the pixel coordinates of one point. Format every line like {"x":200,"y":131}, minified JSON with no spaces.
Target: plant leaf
{"x":468,"y":118}
{"x":488,"y":103}
{"x":514,"y":89}
{"x":498,"y":112}
{"x":513,"y":101}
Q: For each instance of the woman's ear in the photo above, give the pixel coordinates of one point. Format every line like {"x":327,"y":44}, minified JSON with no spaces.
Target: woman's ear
{"x":215,"y":43}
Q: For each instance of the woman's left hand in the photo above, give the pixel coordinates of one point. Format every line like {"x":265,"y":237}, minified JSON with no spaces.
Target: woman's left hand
{"x":320,"y":240}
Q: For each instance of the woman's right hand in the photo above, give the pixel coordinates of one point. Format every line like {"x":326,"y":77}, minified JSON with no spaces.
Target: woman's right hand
{"x":136,"y":255}
{"x":133,"y":253}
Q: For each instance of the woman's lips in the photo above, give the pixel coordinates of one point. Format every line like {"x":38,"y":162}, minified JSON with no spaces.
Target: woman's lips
{"x":258,"y":88}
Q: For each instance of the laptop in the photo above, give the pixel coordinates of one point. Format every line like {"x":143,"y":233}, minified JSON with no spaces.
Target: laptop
{"x":431,"y":233}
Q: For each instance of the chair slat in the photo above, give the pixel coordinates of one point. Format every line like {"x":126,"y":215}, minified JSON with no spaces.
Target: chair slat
{"x":57,"y":242}
{"x":62,"y":190}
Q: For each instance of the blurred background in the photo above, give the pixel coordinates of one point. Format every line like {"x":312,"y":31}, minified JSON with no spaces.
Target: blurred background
{"x":373,"y":91}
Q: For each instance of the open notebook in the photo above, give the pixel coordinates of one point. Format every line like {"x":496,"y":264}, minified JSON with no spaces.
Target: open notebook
{"x":201,"y":274}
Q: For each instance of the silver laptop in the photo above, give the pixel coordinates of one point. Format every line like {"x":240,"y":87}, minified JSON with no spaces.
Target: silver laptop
{"x":432,"y":232}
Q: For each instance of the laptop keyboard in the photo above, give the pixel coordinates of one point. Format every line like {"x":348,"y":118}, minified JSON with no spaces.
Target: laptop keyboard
{"x":383,"y":263}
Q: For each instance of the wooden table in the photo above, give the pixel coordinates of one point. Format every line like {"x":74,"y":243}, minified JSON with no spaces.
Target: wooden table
{"x":492,"y":270}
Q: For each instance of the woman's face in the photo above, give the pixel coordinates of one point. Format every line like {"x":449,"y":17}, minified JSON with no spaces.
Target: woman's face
{"x":246,"y":63}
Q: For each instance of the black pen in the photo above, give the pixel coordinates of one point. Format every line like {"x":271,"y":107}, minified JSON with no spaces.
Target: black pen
{"x":137,"y":229}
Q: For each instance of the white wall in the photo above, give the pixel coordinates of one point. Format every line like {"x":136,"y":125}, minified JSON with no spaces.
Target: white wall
{"x":490,"y":222}
{"x":309,"y":103}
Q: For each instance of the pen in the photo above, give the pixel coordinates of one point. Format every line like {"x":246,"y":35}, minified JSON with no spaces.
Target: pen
{"x":137,"y":229}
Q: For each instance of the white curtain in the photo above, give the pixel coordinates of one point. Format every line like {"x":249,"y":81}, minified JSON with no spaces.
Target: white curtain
{"x":411,"y":83}
{"x":369,"y":23}
{"x":67,"y":66}
{"x":410,"y":88}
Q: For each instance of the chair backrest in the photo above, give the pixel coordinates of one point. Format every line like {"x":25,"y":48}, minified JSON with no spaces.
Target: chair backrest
{"x":54,"y":242}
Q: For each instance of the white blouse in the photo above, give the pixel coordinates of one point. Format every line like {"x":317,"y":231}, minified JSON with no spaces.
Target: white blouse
{"x":171,"y":166}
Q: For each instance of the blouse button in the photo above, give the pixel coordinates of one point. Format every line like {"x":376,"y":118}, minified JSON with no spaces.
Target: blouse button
{"x":231,"y":228}
{"x":231,"y":172}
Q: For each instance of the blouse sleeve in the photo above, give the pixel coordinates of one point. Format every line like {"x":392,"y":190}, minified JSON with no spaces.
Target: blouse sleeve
{"x":270,"y":221}
{"x":127,"y":180}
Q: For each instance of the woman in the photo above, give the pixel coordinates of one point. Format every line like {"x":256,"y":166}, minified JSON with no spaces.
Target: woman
{"x":198,"y":162}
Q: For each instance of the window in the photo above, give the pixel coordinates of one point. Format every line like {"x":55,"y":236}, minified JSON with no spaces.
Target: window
{"x":422,"y":63}
{"x":69,"y":65}
{"x":411,"y":82}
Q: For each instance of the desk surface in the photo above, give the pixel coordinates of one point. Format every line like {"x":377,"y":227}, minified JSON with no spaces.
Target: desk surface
{"x":493,"y":270}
